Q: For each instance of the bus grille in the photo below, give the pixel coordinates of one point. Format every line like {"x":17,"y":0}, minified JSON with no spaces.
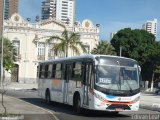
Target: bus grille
{"x":114,"y":106}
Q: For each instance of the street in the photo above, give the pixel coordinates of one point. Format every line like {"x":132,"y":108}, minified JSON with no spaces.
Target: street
{"x":65,"y":112}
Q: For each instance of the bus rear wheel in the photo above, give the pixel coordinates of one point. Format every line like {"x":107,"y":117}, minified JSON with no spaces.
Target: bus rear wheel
{"x":77,"y":105}
{"x":48,"y":97}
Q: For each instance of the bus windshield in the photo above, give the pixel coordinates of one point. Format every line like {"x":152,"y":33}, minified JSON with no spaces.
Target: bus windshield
{"x":113,"y":77}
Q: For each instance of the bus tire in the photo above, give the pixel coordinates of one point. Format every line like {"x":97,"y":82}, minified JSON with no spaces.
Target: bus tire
{"x":48,"y":97}
{"x":77,"y":104}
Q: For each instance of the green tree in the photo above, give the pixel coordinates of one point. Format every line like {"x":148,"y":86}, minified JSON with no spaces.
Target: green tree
{"x":154,"y":61}
{"x":157,"y":70}
{"x":67,"y":40}
{"x":8,"y":64}
{"x":8,"y":54}
{"x":157,"y":74}
{"x":104,"y":48}
{"x":139,"y":45}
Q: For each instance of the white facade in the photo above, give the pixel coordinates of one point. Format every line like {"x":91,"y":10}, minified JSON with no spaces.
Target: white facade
{"x":112,"y":35}
{"x":62,"y":10}
{"x":151,"y":27}
{"x":30,"y":42}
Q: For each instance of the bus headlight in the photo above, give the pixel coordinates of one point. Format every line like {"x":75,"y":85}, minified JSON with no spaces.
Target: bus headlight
{"x":99,"y":97}
{"x":136,"y":99}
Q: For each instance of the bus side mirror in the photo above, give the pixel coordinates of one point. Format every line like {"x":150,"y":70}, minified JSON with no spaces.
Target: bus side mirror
{"x":139,"y":69}
{"x":140,"y":76}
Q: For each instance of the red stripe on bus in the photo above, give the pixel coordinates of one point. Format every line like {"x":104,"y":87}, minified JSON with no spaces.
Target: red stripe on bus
{"x":120,"y":103}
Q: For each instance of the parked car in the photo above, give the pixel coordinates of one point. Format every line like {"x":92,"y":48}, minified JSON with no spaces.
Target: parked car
{"x":158,"y":91}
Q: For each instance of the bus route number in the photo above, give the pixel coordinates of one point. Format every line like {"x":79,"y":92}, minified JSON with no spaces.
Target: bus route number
{"x":105,"y":80}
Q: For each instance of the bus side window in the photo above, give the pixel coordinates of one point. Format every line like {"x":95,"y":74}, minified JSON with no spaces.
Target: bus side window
{"x":90,"y":66}
{"x":58,"y":73}
{"x":42,"y":71}
{"x":38,"y":71}
{"x":84,"y":74}
{"x":77,"y":71}
{"x":49,"y":71}
{"x":46,"y":71}
{"x":53,"y":70}
{"x":65,"y":72}
{"x":88,"y":71}
{"x":62,"y":71}
{"x":72,"y":70}
{"x":92,"y":77}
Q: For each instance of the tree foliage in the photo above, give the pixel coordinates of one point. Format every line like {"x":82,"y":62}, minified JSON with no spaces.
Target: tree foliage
{"x":8,"y":64}
{"x":8,"y":54}
{"x":141,"y":46}
{"x":67,"y":40}
{"x":104,"y":48}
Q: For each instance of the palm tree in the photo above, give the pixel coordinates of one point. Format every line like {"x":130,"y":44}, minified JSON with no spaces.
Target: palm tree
{"x":65,"y":41}
{"x":104,"y":48}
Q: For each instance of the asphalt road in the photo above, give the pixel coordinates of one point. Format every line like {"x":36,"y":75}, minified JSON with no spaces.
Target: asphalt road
{"x":65,"y":112}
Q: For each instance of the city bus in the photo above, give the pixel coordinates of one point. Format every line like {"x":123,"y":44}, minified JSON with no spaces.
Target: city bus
{"x":95,"y":82}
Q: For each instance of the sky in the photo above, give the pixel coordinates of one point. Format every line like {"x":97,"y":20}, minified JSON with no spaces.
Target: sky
{"x":112,"y":15}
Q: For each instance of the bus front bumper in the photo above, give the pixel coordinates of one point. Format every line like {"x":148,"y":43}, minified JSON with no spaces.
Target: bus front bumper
{"x":117,"y":107}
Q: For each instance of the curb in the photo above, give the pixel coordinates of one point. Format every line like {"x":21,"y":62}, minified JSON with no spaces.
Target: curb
{"x":48,"y":111}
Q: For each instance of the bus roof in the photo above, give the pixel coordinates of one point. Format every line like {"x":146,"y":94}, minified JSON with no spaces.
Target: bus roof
{"x":84,"y":56}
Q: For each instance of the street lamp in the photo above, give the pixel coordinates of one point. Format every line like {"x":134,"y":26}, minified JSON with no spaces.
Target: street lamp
{"x":28,"y":19}
{"x":97,"y":25}
{"x":3,"y":10}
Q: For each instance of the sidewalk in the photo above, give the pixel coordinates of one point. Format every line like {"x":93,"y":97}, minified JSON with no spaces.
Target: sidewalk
{"x":150,"y":101}
{"x":20,"y":86}
{"x":29,"y":111}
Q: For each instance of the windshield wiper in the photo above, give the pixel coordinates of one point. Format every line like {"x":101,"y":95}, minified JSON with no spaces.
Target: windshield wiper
{"x":130,"y":88}
{"x":131,"y":91}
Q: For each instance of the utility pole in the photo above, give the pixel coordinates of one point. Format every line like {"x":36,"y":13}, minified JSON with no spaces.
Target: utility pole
{"x":3,"y":10}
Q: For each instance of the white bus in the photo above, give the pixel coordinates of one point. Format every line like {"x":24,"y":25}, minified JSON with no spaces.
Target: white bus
{"x":96,"y":82}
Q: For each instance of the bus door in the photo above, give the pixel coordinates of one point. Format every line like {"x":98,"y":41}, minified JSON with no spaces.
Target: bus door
{"x":86,"y":82}
{"x":66,"y":82}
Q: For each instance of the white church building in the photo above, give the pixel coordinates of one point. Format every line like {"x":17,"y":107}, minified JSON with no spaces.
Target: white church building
{"x":29,"y":40}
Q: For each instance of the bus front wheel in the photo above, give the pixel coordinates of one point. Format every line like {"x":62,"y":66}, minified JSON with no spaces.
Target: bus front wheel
{"x":48,"y":97}
{"x":77,"y":104}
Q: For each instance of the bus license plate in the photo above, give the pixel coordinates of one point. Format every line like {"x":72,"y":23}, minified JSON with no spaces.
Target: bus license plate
{"x":118,"y":109}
